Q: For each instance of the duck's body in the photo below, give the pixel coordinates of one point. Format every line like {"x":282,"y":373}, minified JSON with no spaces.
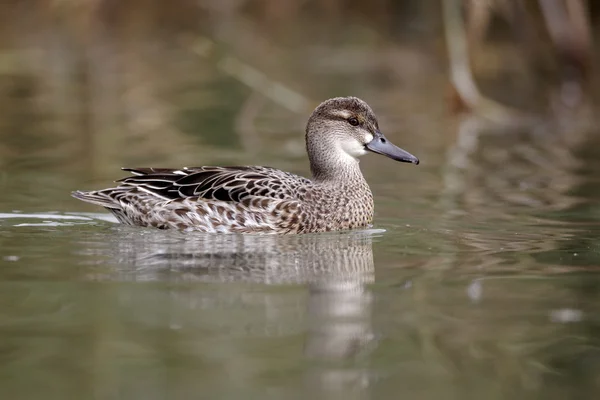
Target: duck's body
{"x":235,"y":199}
{"x":261,"y":199}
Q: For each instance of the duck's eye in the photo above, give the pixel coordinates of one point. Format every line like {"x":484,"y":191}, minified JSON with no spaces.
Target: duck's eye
{"x":353,"y":121}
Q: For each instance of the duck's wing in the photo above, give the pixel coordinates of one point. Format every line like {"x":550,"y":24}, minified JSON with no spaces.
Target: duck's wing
{"x":216,"y":183}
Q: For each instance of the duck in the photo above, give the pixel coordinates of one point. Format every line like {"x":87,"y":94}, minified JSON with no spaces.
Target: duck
{"x":259,"y":199}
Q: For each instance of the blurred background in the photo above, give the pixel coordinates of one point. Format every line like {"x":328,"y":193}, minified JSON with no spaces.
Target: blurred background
{"x":480,"y":277}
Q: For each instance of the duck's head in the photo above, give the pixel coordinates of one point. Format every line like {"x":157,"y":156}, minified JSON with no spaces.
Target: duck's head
{"x":343,"y":129}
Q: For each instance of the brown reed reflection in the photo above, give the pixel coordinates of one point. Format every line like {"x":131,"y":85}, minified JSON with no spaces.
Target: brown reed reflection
{"x":516,"y":185}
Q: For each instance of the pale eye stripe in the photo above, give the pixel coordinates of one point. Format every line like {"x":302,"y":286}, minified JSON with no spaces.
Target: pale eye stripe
{"x":343,"y":114}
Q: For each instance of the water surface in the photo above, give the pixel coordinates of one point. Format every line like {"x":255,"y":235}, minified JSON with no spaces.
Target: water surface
{"x":478,"y":279}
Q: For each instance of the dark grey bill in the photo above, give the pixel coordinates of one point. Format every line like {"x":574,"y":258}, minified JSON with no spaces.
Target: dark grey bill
{"x":381,"y":145}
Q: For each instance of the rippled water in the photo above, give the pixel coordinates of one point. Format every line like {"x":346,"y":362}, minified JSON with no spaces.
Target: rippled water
{"x":479,"y":278}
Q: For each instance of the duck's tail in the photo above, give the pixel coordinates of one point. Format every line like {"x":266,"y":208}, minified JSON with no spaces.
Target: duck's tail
{"x":98,"y":197}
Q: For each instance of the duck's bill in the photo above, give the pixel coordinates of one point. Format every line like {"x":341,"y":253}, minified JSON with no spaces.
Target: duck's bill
{"x":381,"y":145}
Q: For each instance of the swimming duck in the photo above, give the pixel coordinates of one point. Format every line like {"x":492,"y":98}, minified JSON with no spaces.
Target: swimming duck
{"x":253,"y":199}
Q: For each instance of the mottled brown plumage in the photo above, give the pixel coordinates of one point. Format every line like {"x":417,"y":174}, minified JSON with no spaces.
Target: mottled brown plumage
{"x":261,"y":199}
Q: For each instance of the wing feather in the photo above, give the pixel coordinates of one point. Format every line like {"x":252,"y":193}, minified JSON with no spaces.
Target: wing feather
{"x":232,"y":184}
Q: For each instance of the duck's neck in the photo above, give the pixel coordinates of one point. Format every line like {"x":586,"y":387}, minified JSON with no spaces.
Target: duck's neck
{"x":336,"y":170}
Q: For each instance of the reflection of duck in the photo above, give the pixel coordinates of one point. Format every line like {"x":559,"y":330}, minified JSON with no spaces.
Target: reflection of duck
{"x":261,"y":199}
{"x":336,"y":268}
{"x":216,"y":297}
{"x":337,"y":258}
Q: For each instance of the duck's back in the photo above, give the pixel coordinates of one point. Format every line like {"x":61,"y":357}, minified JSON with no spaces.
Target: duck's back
{"x":217,"y":183}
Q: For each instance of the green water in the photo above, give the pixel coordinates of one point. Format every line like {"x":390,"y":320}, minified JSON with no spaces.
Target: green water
{"x":479,"y":278}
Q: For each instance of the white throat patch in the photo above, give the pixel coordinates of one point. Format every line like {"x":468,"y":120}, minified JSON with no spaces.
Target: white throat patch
{"x":354,"y":148}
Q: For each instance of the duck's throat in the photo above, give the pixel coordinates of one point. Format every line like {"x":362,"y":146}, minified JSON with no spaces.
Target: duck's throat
{"x":336,"y":169}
